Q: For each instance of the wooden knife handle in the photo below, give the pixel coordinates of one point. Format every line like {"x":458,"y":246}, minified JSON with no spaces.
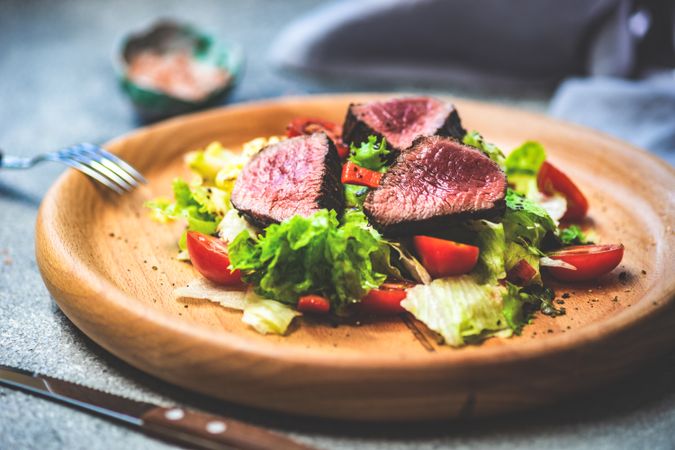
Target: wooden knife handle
{"x":199,"y":430}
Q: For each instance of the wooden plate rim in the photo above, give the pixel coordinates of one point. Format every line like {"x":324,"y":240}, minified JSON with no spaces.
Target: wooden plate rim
{"x":662,"y":292}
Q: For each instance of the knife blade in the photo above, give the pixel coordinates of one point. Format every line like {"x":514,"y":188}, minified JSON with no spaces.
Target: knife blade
{"x":173,"y":424}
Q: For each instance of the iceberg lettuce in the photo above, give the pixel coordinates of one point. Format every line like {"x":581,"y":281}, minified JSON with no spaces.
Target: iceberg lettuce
{"x":458,"y":308}
{"x":267,"y":316}
{"x":491,"y":241}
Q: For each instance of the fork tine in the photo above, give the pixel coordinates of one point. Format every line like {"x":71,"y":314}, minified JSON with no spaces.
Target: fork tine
{"x":77,"y":155}
{"x":118,"y":170}
{"x":92,"y":173}
{"x":94,"y":153}
{"x":118,"y":161}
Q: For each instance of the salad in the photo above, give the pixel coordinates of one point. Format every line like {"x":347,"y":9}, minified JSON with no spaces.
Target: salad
{"x":467,"y":250}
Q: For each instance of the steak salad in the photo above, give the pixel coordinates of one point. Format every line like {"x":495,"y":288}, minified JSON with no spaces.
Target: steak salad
{"x":398,"y":211}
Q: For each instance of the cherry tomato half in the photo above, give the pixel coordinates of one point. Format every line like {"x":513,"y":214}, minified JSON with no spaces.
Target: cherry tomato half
{"x":443,"y":258}
{"x":309,"y":125}
{"x":383,"y":302}
{"x":551,"y":180}
{"x":313,"y":304}
{"x":591,"y":261}
{"x":209,"y":256}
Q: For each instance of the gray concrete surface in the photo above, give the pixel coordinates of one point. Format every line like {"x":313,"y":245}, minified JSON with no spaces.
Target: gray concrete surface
{"x":57,"y":88}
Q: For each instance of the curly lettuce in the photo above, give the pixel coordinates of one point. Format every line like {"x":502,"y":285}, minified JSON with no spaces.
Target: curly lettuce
{"x":198,"y":207}
{"x":572,"y":235}
{"x":340,"y":260}
{"x":370,"y":154}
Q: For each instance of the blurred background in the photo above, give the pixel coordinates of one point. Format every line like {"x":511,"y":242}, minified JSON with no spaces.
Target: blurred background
{"x":604,"y":63}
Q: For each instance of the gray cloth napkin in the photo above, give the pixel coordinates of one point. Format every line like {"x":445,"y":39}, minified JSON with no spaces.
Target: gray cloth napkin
{"x":486,"y":42}
{"x":640,"y":112}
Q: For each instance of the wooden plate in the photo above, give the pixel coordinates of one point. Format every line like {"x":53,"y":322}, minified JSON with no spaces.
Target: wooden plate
{"x":112,"y":270}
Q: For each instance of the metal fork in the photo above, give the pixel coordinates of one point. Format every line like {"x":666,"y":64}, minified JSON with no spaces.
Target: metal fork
{"x":89,"y":159}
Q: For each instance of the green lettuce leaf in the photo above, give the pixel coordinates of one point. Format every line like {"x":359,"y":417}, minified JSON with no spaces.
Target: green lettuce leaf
{"x":313,"y":255}
{"x":370,"y":154}
{"x":522,"y":166}
{"x":195,"y":206}
{"x":212,"y":200}
{"x":267,"y":316}
{"x":526,"y":224}
{"x":491,"y":241}
{"x":519,"y":306}
{"x":525,"y":221}
{"x":355,"y":195}
{"x":458,"y":308}
{"x":572,"y":235}
{"x":474,"y":139}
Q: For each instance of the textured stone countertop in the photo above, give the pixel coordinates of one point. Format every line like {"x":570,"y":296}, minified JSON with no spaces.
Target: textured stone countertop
{"x":57,"y":87}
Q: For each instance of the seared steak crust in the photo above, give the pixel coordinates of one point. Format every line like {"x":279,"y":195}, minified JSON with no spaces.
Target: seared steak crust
{"x":401,"y":121}
{"x":435,"y":182}
{"x":296,"y":176}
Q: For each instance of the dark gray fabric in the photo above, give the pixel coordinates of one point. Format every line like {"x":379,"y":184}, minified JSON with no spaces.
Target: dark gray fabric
{"x":640,"y":112}
{"x":518,"y":42}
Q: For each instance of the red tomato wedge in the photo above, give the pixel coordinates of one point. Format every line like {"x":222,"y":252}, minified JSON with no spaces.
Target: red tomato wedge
{"x":209,"y":256}
{"x":313,"y":304}
{"x":353,"y":174}
{"x":521,"y":273}
{"x":591,"y":261}
{"x":551,"y":180}
{"x":308,"y":125}
{"x":443,"y":258}
{"x":383,"y":301}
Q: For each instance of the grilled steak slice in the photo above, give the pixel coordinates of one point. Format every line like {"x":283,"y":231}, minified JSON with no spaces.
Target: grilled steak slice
{"x":436,"y":181}
{"x":296,"y":176}
{"x":401,"y":121}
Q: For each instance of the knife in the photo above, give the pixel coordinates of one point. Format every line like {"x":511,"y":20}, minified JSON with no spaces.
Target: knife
{"x":175,"y":424}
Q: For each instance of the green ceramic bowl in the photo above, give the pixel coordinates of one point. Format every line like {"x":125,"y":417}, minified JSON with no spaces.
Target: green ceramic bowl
{"x":165,"y":36}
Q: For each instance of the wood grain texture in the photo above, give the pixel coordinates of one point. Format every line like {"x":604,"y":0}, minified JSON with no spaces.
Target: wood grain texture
{"x":111,"y":270}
